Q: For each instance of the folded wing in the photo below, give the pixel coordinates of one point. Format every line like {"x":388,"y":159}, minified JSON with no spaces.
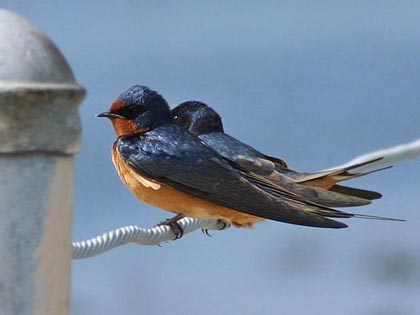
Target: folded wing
{"x":194,"y":169}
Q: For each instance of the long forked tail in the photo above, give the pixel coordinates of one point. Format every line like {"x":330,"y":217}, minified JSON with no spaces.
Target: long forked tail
{"x":332,"y":213}
{"x":328,"y":179}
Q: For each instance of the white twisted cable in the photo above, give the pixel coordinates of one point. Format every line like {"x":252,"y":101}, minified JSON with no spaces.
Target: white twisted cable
{"x":161,"y":234}
{"x":138,"y":235}
{"x":390,"y":156}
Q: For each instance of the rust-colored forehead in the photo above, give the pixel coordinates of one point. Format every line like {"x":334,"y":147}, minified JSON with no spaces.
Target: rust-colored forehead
{"x":116,"y":105}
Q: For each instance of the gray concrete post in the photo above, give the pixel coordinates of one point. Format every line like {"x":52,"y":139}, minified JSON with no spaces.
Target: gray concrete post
{"x":39,"y":133}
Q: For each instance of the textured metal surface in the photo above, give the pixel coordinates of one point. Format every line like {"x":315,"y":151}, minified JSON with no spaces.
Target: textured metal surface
{"x":38,"y":93}
{"x":39,"y":132}
{"x":39,"y":121}
{"x":28,"y":55}
{"x":35,"y":233}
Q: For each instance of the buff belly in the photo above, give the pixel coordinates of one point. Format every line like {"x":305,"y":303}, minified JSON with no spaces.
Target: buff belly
{"x":173,"y":200}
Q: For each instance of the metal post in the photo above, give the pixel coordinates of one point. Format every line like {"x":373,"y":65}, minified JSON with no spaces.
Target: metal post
{"x":39,"y":133}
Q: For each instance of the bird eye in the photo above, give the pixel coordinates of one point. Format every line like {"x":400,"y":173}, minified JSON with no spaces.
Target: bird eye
{"x":135,"y":111}
{"x":130,"y":111}
{"x":124,"y":111}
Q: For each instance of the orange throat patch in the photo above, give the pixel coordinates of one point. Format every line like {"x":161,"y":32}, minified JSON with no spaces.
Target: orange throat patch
{"x":124,"y":127}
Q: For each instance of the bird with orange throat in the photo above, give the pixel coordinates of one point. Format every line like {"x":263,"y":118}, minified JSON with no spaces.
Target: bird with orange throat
{"x":166,"y":166}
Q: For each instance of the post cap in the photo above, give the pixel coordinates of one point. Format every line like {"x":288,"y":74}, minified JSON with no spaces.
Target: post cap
{"x":39,"y":95}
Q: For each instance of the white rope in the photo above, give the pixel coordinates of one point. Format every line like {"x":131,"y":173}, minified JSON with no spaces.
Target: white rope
{"x":390,"y":156}
{"x":161,"y":234}
{"x":140,"y":236}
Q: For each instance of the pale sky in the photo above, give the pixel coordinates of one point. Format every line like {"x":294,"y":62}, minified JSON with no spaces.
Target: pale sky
{"x":315,"y":83}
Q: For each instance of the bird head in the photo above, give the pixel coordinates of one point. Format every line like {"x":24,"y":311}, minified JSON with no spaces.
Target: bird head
{"x":137,"y":110}
{"x":197,"y":118}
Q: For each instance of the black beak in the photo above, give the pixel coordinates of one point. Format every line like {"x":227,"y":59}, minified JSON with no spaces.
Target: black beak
{"x":109,"y":115}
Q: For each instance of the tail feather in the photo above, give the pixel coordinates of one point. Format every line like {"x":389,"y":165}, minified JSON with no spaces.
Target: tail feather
{"x":325,"y":191}
{"x":375,"y":217}
{"x":329,"y":178}
{"x":316,"y":195}
{"x":341,"y":214}
{"x":357,"y":165}
{"x":361,"y":193}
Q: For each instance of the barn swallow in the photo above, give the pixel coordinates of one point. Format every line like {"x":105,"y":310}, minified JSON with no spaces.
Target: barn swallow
{"x":321,"y":187}
{"x":166,"y":166}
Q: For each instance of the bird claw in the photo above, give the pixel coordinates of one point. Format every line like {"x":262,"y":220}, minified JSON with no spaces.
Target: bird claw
{"x":223,"y":226}
{"x":206,"y":232}
{"x":174,"y":226}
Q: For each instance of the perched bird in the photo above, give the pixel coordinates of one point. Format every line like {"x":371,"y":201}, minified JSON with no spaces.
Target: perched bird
{"x":321,"y":187}
{"x":165,"y":165}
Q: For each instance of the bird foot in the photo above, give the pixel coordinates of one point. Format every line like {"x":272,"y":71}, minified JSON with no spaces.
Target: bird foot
{"x":174,"y":226}
{"x":206,"y":232}
{"x":223,"y":226}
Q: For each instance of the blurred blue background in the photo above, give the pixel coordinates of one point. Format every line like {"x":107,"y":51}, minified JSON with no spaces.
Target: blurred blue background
{"x":316,"y":83}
